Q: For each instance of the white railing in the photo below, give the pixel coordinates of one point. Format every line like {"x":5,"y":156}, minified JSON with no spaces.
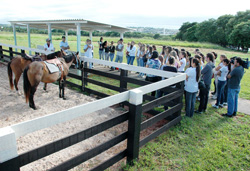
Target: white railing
{"x":26,"y":48}
{"x":8,"y":135}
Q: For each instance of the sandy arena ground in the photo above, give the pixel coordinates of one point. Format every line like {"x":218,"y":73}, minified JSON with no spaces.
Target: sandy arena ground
{"x":14,"y":110}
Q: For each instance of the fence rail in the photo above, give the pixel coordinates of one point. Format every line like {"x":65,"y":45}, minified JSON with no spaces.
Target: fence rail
{"x":133,"y":99}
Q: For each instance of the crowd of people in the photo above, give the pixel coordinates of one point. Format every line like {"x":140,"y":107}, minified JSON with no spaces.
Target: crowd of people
{"x":200,"y":69}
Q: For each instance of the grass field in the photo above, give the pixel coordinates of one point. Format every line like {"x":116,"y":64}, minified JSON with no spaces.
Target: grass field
{"x":39,"y":39}
{"x":204,"y":142}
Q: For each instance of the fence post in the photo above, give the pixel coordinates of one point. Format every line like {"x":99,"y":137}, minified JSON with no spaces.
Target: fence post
{"x":22,"y":52}
{"x":1,"y":52}
{"x":85,"y":75}
{"x":134,"y":125}
{"x":8,"y":150}
{"x":123,"y":84}
{"x":11,"y":53}
{"x":180,"y":85}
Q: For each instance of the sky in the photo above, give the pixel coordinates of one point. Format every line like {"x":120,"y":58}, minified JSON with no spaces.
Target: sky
{"x":126,"y":13}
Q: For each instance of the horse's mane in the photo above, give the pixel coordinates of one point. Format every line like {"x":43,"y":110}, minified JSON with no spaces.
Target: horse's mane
{"x":68,"y":58}
{"x":53,"y":55}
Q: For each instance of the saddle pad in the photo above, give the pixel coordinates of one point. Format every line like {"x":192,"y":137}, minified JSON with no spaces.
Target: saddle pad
{"x":52,"y":67}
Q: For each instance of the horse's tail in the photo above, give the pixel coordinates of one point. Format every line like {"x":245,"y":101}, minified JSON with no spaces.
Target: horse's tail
{"x":26,"y":84}
{"x":10,"y":76}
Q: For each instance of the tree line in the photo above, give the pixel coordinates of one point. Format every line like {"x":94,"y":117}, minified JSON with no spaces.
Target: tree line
{"x":228,"y":31}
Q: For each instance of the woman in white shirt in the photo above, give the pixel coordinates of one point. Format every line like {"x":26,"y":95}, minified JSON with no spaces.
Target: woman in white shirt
{"x":183,"y":61}
{"x":191,"y":86}
{"x":222,"y":80}
{"x":131,"y":53}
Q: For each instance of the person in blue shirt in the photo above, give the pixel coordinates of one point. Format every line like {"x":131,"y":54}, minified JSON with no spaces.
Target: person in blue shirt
{"x":64,"y":45}
{"x":234,"y":79}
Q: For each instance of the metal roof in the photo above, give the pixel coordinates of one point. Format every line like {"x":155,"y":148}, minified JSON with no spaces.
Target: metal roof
{"x":70,"y":24}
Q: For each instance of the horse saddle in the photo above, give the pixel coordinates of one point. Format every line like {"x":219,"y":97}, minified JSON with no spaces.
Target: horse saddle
{"x":55,"y":65}
{"x":32,"y":58}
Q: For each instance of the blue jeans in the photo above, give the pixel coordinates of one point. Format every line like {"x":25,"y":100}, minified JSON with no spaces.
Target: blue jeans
{"x":130,"y":60}
{"x":118,"y":59}
{"x":111,"y":55}
{"x":141,"y":62}
{"x":138,"y":61}
{"x":220,"y":92}
{"x":101,"y":54}
{"x":232,"y":100}
{"x":190,"y":99}
{"x":106,"y":56}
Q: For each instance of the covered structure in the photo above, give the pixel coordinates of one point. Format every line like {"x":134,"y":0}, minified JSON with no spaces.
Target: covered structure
{"x":68,"y":24}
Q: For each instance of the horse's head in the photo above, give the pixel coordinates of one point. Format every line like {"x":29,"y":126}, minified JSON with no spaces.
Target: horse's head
{"x":76,"y":57}
{"x":62,"y":53}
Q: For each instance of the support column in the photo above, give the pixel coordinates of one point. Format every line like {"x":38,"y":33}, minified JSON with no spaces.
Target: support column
{"x":14,"y":32}
{"x":29,"y":42}
{"x":90,"y":35}
{"x":66,"y":35}
{"x":49,"y":32}
{"x":121,"y":34}
{"x":78,"y":26}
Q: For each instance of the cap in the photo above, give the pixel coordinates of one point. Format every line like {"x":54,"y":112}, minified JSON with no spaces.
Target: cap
{"x":63,"y":36}
{"x":48,"y":40}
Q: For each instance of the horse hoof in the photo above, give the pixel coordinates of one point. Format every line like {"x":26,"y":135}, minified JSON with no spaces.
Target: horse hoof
{"x":33,"y":107}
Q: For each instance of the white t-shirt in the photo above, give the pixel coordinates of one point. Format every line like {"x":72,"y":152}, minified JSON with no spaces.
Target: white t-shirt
{"x":131,"y":51}
{"x":64,"y":44}
{"x":224,"y":71}
{"x":182,"y":67}
{"x":119,"y":53}
{"x":88,"y":53}
{"x":191,"y":85}
{"x":50,"y":48}
{"x":138,"y":53}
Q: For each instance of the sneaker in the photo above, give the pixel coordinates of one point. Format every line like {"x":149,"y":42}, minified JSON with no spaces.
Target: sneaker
{"x":214,"y":97}
{"x":221,"y":105}
{"x":225,"y":104}
{"x":197,"y":111}
{"x":215,"y":106}
{"x":226,"y":115}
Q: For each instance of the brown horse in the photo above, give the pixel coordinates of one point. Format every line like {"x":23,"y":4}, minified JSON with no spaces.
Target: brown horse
{"x":19,"y":63}
{"x":38,"y":72}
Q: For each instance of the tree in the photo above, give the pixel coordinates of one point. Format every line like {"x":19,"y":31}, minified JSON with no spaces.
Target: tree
{"x":220,"y":34}
{"x":189,"y":35}
{"x":240,"y":36}
{"x":205,"y":31}
{"x":183,"y":29}
{"x":157,"y":36}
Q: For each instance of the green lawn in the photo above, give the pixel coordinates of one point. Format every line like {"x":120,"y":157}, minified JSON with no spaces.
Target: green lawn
{"x":204,"y":142}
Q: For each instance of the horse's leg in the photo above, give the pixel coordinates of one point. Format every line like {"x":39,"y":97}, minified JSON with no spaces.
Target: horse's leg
{"x":31,"y":97}
{"x":17,"y":77}
{"x":60,"y":89}
{"x":63,"y":85}
{"x":45,"y":86}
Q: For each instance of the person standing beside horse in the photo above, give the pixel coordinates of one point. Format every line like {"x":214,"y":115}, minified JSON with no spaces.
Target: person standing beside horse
{"x":48,"y":46}
{"x":88,"y":51}
{"x":64,"y":45}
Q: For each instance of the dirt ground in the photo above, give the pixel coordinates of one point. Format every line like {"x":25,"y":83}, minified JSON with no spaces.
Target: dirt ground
{"x":14,"y":110}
